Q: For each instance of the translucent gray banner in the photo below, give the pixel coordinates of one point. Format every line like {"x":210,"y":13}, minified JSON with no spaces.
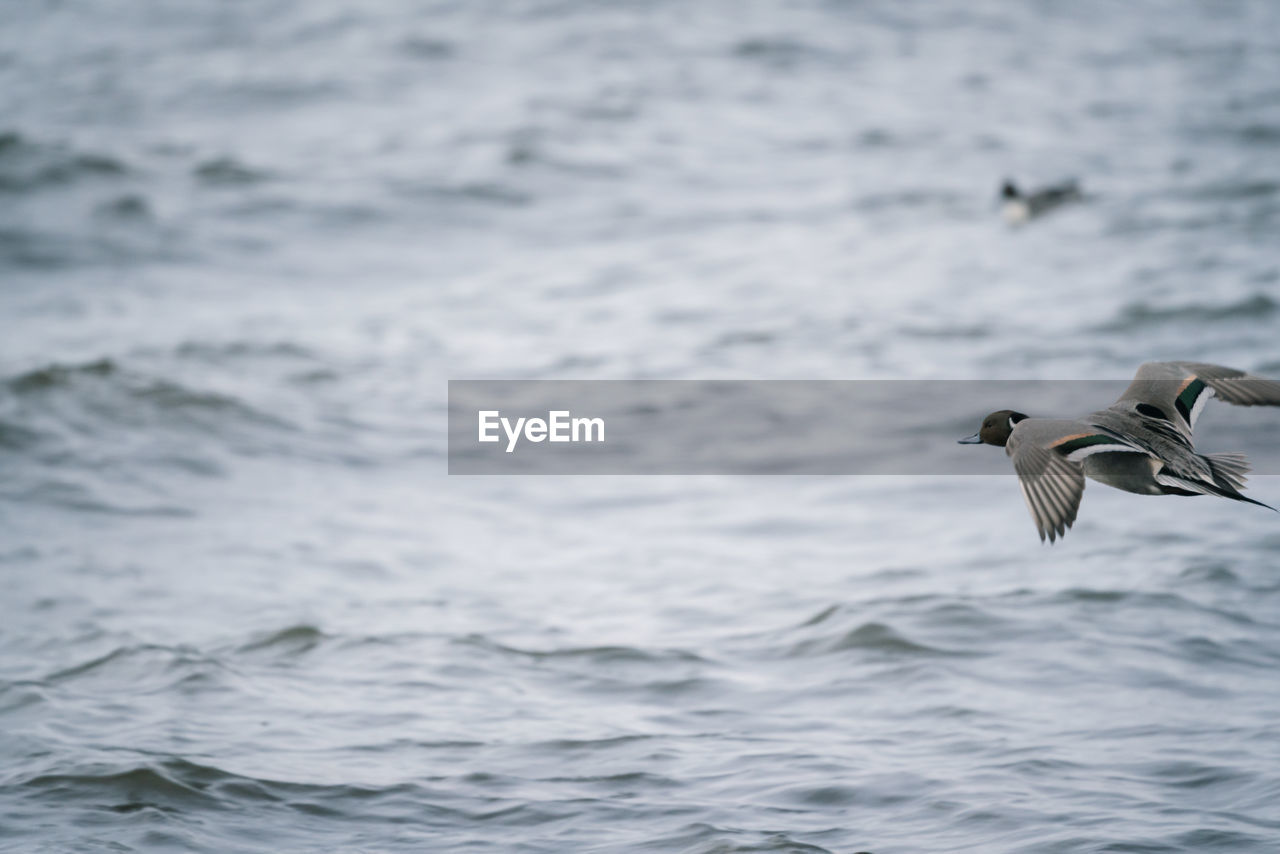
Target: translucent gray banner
{"x":880,"y":427}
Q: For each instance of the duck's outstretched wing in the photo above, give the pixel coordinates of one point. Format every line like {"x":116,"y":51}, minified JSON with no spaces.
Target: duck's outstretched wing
{"x":1052,"y":487}
{"x":1176,"y":392}
{"x":1237,"y":387}
{"x":1051,"y":481}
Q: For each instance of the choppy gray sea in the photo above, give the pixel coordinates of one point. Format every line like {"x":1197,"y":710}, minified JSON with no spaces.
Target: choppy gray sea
{"x":243,"y":246}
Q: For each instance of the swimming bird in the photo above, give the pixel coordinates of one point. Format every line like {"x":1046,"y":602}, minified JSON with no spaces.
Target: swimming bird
{"x":1018,"y":207}
{"x":1141,"y":443}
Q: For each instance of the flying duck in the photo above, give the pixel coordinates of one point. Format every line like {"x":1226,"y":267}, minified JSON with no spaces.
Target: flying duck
{"x":1142,"y":443}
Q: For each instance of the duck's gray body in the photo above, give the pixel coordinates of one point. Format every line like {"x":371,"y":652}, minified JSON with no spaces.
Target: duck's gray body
{"x":1130,"y":472}
{"x":1142,"y":443}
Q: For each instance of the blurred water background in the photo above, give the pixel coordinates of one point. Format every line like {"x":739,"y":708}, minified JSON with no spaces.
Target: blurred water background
{"x":243,"y":247}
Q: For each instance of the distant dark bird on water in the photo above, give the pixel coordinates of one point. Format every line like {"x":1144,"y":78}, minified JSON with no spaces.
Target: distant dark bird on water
{"x":1018,"y":207}
{"x":1141,"y":443}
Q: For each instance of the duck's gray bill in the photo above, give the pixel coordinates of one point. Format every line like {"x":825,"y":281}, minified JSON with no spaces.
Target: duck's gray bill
{"x":970,"y":440}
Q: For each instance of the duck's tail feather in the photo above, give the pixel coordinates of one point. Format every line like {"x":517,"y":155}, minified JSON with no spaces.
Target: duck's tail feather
{"x":1229,"y":469}
{"x":1238,"y":497}
{"x":1200,"y":487}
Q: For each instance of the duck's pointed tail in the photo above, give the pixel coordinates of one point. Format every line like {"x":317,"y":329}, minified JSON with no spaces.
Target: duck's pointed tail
{"x":1238,"y":497}
{"x":1228,"y":472}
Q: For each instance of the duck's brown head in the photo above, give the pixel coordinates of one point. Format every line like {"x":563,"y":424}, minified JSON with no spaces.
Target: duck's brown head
{"x":996,"y":428}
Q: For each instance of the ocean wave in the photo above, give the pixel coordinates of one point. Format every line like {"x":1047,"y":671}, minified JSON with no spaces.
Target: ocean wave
{"x":28,"y":166}
{"x":1236,"y":190}
{"x":129,"y":208}
{"x":290,"y":641}
{"x":235,"y":350}
{"x":1255,"y":133}
{"x":870,"y":637}
{"x":115,"y":394}
{"x":1245,"y":652}
{"x":1143,"y":600}
{"x":145,"y":668}
{"x":779,"y":52}
{"x":15,"y":437}
{"x":175,"y":784}
{"x":1138,"y":315}
{"x":58,"y":375}
{"x":87,"y":495}
{"x":228,"y":172}
{"x":955,"y":628}
{"x":1213,"y":573}
{"x":103,"y":437}
{"x":36,"y":248}
{"x":908,"y":200}
{"x":592,"y":654}
{"x":707,"y":838}
{"x":427,"y":48}
{"x":179,"y":784}
{"x":480,"y":192}
{"x":15,"y":696}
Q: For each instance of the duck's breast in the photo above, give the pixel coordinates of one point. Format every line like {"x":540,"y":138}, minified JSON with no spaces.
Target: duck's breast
{"x":1015,"y":211}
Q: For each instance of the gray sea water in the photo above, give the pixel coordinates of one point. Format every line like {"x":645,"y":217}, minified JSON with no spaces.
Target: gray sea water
{"x":243,"y":246}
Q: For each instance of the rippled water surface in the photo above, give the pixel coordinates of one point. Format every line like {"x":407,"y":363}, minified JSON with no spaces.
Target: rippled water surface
{"x":243,"y":247}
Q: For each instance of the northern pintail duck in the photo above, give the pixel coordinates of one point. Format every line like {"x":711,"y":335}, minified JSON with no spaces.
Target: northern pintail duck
{"x":1141,"y":443}
{"x":1017,"y":207}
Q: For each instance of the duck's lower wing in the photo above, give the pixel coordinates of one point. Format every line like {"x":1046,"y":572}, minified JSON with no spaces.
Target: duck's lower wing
{"x":1051,"y":483}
